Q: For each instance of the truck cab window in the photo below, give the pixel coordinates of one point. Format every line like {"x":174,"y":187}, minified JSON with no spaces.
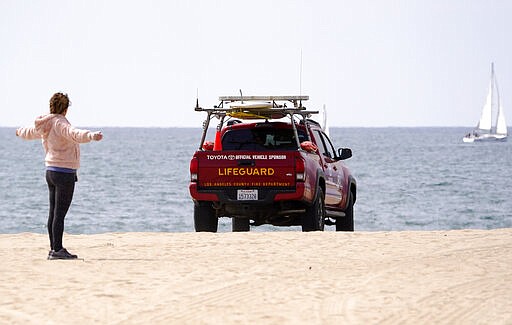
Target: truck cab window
{"x":261,"y":139}
{"x":324,"y":144}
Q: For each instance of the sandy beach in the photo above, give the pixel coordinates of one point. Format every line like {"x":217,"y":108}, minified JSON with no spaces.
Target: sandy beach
{"x":437,"y":277}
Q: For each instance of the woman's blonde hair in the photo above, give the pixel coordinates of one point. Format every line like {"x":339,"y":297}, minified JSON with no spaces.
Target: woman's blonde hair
{"x":59,"y":103}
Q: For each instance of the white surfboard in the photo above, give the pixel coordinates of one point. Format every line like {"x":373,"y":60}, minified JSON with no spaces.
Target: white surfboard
{"x":250,"y":105}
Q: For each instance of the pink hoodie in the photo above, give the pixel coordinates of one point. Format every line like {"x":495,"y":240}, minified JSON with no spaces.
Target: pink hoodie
{"x":60,"y":140}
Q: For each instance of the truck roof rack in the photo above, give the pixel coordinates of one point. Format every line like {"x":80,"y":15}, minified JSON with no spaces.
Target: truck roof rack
{"x":252,"y":98}
{"x":255,"y":108}
{"x":258,"y":107}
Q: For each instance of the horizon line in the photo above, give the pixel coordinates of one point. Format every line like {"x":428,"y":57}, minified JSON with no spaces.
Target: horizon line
{"x":213,"y":127}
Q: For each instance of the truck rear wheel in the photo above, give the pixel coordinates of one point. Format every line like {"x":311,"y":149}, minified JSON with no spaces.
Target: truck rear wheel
{"x":314,"y":218}
{"x":240,"y":224}
{"x":346,"y":223}
{"x":204,"y":217}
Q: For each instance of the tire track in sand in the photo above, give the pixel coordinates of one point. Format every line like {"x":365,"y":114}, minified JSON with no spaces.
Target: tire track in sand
{"x":199,"y":308}
{"x":462,"y":303}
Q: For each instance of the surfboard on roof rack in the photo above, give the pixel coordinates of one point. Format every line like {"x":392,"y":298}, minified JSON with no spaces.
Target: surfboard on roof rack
{"x":256,"y":101}
{"x":250,"y":105}
{"x":259,"y":107}
{"x":250,"y":115}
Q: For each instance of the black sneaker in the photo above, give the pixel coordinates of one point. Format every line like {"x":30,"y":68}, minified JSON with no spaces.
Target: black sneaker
{"x":62,"y":254}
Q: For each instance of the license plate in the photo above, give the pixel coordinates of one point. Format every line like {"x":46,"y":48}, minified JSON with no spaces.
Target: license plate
{"x":247,"y":195}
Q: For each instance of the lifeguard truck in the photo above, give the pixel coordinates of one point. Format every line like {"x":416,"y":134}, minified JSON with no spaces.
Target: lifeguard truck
{"x":269,"y":163}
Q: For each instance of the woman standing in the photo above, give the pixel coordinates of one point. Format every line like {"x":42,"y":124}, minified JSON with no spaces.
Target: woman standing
{"x":61,"y":145}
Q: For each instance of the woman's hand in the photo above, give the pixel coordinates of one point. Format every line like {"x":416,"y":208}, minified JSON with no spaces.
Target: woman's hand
{"x":97,"y":136}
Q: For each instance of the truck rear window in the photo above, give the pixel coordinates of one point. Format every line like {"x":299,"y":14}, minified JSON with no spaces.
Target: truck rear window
{"x":261,"y":139}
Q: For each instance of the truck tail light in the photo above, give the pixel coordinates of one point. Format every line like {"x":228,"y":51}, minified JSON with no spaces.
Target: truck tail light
{"x":299,"y":169}
{"x":193,"y":169}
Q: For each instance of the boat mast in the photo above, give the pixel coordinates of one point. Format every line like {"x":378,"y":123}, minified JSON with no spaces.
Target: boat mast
{"x":494,"y":96}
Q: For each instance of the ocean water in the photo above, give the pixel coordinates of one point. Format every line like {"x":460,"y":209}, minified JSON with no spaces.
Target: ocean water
{"x":136,"y":179}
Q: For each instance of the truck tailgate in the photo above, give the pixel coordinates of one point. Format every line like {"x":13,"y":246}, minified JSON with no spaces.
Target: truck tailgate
{"x":246,"y":169}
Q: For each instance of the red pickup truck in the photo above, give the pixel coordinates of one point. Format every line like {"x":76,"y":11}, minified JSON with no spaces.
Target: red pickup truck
{"x":269,"y":164}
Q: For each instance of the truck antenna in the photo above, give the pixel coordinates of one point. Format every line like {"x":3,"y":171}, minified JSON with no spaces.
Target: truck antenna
{"x":241,"y":97}
{"x":300,"y":79}
{"x":197,"y":98}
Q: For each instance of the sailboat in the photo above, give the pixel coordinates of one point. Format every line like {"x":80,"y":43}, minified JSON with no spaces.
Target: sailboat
{"x":484,"y":131}
{"x":325,"y":124}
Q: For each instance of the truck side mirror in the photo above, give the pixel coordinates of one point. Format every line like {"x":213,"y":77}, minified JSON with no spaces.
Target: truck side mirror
{"x":344,"y":153}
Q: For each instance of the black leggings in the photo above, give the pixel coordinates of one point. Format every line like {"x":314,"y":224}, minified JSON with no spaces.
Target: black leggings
{"x":61,"y":187}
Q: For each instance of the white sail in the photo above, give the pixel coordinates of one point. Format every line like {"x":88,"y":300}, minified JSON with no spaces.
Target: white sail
{"x":325,"y":124}
{"x":501,"y":124}
{"x":485,"y":122}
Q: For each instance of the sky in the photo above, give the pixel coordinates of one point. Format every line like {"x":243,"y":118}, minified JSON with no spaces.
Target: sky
{"x":143,"y":63}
